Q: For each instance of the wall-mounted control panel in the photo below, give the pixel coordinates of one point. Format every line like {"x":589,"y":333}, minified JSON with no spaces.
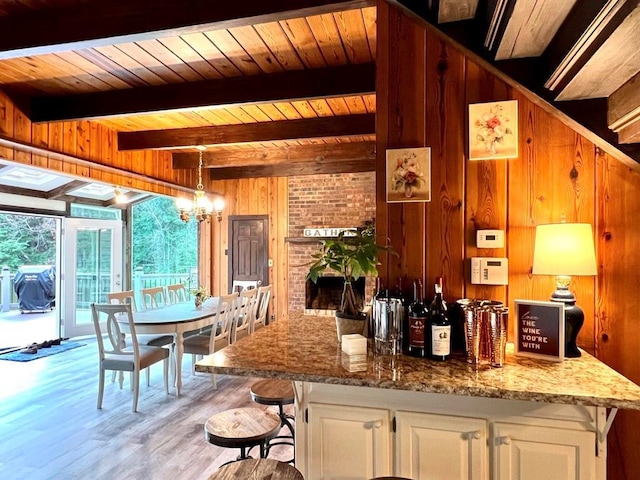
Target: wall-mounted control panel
{"x":489,"y":271}
{"x":490,"y":239}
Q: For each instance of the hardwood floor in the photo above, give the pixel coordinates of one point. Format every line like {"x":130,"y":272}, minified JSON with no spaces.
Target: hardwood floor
{"x":50,"y":427}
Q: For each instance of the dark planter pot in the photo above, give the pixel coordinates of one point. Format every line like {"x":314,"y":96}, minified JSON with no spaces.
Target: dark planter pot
{"x":349,"y":324}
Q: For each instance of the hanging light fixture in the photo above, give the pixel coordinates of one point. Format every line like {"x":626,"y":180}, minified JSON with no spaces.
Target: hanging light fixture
{"x":200,"y":207}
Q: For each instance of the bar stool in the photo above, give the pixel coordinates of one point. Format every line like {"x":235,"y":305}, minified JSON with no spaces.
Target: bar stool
{"x":280,"y":393}
{"x":242,"y":428}
{"x":257,"y":468}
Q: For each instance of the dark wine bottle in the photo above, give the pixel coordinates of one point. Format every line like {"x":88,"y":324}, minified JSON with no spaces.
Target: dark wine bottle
{"x":439,"y":326}
{"x":417,"y":323}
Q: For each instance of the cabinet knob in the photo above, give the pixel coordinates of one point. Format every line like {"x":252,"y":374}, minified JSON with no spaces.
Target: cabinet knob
{"x":475,"y":435}
{"x":505,"y":440}
{"x":373,"y":424}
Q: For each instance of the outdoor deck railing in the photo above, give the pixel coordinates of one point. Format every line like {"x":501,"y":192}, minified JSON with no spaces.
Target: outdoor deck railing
{"x":93,"y":288}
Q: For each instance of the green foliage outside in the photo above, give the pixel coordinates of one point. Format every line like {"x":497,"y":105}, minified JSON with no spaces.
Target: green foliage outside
{"x":27,"y":240}
{"x":162,"y":243}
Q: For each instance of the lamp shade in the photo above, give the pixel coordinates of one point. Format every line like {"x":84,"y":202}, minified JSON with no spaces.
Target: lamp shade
{"x":564,"y":249}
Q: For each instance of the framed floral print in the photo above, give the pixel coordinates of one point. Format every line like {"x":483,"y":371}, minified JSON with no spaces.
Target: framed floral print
{"x":409,"y":175}
{"x":493,"y":130}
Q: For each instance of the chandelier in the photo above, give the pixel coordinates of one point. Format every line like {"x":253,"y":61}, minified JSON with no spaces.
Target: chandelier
{"x":200,"y":207}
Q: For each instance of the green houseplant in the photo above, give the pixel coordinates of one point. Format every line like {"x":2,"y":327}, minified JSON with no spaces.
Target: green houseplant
{"x":352,"y":254}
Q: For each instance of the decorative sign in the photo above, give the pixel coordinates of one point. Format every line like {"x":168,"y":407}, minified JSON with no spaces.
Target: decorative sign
{"x":540,"y":329}
{"x":329,"y":232}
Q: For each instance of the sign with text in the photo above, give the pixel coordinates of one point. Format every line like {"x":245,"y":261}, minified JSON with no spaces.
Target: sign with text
{"x":329,"y":232}
{"x":540,"y":329}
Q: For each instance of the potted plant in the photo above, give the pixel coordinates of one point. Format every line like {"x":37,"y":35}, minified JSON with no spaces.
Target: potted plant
{"x":352,"y":254}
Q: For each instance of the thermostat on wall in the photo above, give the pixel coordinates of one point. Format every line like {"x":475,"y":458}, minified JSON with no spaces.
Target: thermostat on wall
{"x":490,"y":239}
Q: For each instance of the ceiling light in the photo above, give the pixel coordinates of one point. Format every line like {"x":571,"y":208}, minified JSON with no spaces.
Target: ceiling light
{"x":200,"y":207}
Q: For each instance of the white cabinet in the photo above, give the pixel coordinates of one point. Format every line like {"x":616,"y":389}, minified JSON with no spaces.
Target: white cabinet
{"x":348,"y":442}
{"x":527,"y":452}
{"x":441,"y":447}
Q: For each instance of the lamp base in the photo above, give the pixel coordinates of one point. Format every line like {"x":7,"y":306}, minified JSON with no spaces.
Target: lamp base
{"x":573,"y":320}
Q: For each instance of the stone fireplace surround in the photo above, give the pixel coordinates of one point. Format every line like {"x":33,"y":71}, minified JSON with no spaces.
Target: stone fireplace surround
{"x":324,"y":201}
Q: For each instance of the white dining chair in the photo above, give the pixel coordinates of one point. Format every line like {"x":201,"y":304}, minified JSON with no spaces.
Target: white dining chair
{"x":176,"y":293}
{"x":240,"y":285}
{"x":264,"y":297}
{"x":153,"y":297}
{"x":127,"y":297}
{"x":117,"y":356}
{"x":245,"y":314}
{"x":218,"y":336}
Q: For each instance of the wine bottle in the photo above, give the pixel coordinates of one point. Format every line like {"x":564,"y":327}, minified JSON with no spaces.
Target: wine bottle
{"x":417,"y":323}
{"x":439,"y":326}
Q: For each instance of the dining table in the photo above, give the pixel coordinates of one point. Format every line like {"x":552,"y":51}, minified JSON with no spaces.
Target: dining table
{"x":174,"y":319}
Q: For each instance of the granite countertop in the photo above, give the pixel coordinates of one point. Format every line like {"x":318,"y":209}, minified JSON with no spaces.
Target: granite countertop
{"x":305,"y":348}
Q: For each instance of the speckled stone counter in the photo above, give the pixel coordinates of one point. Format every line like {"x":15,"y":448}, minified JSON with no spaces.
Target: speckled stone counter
{"x":305,"y":348}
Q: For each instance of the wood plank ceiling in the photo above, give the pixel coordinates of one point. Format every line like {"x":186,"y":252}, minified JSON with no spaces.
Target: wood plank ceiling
{"x":286,"y":86}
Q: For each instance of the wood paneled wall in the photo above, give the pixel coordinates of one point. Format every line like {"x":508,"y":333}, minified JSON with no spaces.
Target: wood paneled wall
{"x":424,"y":87}
{"x":85,"y":148}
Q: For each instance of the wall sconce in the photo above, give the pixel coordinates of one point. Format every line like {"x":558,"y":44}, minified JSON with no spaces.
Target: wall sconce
{"x":565,"y":250}
{"x":118,"y":196}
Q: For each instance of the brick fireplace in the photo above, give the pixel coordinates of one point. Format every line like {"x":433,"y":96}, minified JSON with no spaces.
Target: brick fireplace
{"x":324,"y":201}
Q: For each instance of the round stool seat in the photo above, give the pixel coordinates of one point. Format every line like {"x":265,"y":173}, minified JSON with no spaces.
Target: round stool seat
{"x":272,"y":392}
{"x":241,"y":427}
{"x":257,"y":468}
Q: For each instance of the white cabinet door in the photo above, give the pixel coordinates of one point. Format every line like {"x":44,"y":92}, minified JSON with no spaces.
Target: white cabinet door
{"x":441,"y":447}
{"x":348,"y":443}
{"x":526,"y":452}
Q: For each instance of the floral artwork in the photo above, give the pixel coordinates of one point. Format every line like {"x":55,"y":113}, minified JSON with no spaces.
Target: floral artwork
{"x":493,"y":130}
{"x":408,"y":175}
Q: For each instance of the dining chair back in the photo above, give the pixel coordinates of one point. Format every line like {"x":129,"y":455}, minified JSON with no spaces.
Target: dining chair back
{"x":126,"y":296}
{"x":153,"y":298}
{"x":245,"y":314}
{"x":240,"y":285}
{"x":264,"y":297}
{"x":176,"y":293}
{"x":116,"y":355}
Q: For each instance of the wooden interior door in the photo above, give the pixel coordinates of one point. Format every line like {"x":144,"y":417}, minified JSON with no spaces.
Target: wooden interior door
{"x":248,"y":248}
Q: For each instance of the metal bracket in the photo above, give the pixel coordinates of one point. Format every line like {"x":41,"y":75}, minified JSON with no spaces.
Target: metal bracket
{"x":603,"y":425}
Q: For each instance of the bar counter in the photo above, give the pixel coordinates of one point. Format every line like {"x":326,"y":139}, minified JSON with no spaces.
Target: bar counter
{"x":305,"y":348}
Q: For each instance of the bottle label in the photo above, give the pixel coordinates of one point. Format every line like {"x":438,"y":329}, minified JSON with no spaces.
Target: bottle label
{"x":416,"y":331}
{"x":440,"y":340}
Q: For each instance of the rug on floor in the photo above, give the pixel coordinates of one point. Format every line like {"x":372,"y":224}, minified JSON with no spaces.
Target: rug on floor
{"x":42,"y":352}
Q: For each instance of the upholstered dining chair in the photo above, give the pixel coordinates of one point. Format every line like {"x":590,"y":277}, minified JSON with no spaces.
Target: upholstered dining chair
{"x":264,"y":297}
{"x":245,"y":314}
{"x":218,"y":336}
{"x":154,"y":297}
{"x":176,"y":293}
{"x":127,"y":297}
{"x":117,"y":356}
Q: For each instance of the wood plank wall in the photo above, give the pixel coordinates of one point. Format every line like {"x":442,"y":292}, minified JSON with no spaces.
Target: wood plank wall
{"x":424,"y":87}
{"x":91,"y":142}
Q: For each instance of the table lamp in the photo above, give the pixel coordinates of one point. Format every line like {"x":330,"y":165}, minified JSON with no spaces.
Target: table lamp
{"x":565,"y":250}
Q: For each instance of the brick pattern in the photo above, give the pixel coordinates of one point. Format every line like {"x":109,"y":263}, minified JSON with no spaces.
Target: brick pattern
{"x":325,"y":201}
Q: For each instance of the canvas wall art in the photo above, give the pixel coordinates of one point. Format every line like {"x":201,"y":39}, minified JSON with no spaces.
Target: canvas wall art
{"x":409,"y":175}
{"x":493,"y":130}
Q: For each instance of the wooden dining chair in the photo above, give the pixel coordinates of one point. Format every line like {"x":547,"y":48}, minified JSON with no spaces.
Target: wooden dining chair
{"x":264,"y":297}
{"x":245,"y":314}
{"x":240,"y":285}
{"x":127,"y":297}
{"x":176,"y":293}
{"x":153,"y":297}
{"x":218,"y":336}
{"x":117,"y":356}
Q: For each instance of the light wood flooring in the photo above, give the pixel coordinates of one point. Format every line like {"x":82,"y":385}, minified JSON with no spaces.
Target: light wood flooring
{"x":50,"y":427}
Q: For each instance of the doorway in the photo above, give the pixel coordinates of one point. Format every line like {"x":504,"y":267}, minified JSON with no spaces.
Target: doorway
{"x":248,"y":248}
{"x":92,"y":268}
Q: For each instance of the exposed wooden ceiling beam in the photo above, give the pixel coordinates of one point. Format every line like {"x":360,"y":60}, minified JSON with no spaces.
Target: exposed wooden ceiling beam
{"x":23,"y":191}
{"x":64,"y":189}
{"x":250,"y":158}
{"x":278,"y":87}
{"x":623,"y":111}
{"x":341,"y":126}
{"x":291,"y":169}
{"x":106,"y":22}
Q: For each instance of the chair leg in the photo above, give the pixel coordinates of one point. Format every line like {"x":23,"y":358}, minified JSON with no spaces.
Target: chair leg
{"x":101,"y":387}
{"x":193,"y":364}
{"x":213,"y":381}
{"x":136,"y":389}
{"x":166,"y":374}
{"x":147,"y":370}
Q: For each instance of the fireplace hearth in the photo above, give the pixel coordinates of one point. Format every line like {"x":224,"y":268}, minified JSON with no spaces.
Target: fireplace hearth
{"x":323,"y":297}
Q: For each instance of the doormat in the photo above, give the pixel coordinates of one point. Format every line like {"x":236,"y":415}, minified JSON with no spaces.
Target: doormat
{"x":42,"y":352}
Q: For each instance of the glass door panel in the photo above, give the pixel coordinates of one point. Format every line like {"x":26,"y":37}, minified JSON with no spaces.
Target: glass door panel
{"x":93,"y":267}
